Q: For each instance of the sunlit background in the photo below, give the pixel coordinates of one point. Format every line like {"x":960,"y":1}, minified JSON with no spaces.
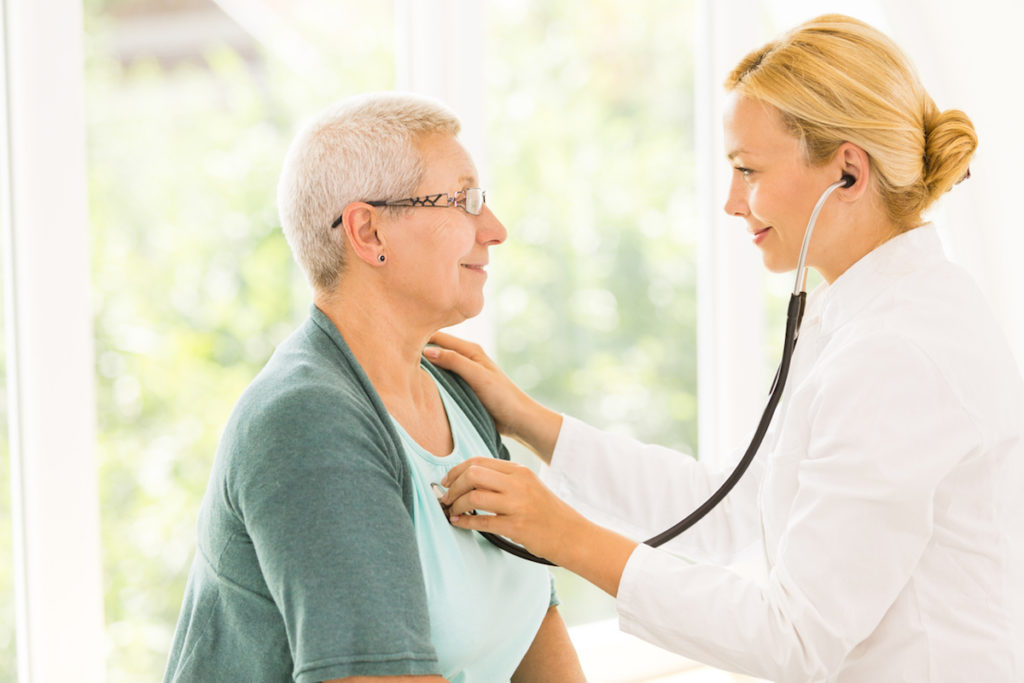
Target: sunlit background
{"x":586,"y":138}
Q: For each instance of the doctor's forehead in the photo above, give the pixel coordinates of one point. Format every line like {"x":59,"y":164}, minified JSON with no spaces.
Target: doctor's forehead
{"x":753,"y":127}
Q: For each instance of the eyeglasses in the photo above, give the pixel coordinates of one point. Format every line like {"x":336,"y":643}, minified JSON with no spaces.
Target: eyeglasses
{"x":471,"y":200}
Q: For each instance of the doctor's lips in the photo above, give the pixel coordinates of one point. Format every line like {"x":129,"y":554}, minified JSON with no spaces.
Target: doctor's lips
{"x":758,"y":235}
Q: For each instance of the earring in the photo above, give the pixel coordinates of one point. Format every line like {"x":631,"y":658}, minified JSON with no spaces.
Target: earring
{"x":381,"y":258}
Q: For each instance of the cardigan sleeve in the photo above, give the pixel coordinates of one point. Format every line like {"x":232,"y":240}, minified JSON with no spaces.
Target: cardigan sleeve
{"x":322,"y":502}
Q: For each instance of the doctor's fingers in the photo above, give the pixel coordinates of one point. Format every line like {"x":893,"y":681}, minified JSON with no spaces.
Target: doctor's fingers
{"x":512,"y":492}
{"x":482,"y":500}
{"x":471,"y":351}
{"x":469,"y":474}
{"x":470,"y":362}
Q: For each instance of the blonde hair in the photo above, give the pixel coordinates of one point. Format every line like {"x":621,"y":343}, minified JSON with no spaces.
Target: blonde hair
{"x":363,"y":148}
{"x":835,"y":79}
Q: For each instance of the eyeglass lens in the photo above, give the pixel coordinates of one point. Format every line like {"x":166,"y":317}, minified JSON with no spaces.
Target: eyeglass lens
{"x":475,"y":201}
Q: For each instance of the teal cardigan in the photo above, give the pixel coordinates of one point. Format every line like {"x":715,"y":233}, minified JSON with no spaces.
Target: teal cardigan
{"x":306,"y":564}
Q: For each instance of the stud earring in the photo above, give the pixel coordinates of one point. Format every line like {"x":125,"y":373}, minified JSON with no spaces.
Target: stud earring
{"x":381,"y":258}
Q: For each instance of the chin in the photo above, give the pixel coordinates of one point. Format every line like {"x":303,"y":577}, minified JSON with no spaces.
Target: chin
{"x":471,"y":310}
{"x":460,"y":313}
{"x":776,"y":265}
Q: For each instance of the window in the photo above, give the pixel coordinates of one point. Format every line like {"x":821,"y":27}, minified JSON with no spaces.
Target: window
{"x":189,"y":106}
{"x":188,"y":119}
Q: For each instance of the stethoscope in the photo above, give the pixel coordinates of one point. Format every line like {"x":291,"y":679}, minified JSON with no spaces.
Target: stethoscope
{"x":794,"y":315}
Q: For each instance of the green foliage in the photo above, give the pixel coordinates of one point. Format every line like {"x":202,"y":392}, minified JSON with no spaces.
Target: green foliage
{"x":591,"y":157}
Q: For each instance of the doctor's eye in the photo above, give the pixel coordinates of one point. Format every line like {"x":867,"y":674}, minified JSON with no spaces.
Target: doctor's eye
{"x":745,"y":172}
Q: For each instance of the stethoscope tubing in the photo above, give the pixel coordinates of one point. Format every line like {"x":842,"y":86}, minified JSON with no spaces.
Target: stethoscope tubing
{"x":794,"y":315}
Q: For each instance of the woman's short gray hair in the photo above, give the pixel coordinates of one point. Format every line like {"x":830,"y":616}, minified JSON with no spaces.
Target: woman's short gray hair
{"x":362,"y":148}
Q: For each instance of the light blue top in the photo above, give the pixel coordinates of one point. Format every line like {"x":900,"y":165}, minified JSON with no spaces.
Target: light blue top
{"x":485,"y":606}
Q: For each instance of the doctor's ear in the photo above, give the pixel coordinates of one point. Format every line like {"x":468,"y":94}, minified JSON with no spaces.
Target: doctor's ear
{"x":855,"y":170}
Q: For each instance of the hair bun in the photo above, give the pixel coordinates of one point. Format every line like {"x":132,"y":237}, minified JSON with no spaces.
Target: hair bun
{"x":950,"y":142}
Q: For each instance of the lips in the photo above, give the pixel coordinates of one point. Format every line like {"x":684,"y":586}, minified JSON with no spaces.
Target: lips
{"x":759,"y":235}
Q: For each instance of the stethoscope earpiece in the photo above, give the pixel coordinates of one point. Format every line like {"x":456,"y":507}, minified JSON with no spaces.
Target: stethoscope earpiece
{"x":848,"y":180}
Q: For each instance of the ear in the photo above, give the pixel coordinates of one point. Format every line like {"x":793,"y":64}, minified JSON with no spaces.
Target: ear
{"x":851,"y":160}
{"x":360,"y":222}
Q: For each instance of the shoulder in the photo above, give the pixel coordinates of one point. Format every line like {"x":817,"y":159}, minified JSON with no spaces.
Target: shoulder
{"x":923,"y":350}
{"x":306,"y":390}
{"x":936,"y":320}
{"x":309,"y":410}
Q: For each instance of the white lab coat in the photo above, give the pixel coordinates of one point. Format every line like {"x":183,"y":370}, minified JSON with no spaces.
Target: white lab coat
{"x":887,"y":497}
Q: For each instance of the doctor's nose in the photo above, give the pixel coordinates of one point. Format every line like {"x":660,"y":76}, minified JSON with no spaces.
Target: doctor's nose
{"x":736,"y":202}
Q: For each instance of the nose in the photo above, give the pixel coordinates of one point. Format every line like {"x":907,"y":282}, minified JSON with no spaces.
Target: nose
{"x":736,"y":202}
{"x":490,"y":231}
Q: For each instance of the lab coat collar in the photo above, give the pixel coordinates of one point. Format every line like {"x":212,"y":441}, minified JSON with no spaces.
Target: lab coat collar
{"x":873,"y":275}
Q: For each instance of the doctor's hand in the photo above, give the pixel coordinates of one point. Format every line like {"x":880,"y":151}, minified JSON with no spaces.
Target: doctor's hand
{"x":526,"y":512}
{"x":514,"y":411}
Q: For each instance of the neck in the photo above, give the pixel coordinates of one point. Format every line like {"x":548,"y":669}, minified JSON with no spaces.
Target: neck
{"x":382,"y":340}
{"x":861,"y":235}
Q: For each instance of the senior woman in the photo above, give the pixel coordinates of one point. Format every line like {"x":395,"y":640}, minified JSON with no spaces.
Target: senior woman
{"x":322,"y":551}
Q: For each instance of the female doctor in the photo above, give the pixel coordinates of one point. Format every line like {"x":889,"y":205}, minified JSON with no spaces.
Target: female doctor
{"x":887,"y":495}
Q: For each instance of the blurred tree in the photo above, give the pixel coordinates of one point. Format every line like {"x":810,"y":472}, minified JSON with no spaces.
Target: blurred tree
{"x":591,"y":157}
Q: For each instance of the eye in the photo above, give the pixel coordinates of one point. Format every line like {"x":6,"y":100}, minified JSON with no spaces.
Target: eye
{"x":745,"y":172}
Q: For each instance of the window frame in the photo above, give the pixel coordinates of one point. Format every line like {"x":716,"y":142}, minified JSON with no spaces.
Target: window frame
{"x":58,"y":591}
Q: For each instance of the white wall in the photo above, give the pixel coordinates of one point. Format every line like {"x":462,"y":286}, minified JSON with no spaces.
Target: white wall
{"x":966,"y":53}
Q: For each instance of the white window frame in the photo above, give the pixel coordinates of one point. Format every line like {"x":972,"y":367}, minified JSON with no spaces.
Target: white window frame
{"x":48,"y":325}
{"x":730,"y":311}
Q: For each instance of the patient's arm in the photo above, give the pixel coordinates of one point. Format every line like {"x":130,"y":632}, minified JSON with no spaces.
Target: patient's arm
{"x":551,"y":657}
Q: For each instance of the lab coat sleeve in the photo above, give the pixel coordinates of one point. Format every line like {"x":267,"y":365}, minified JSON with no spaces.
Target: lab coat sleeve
{"x":641,"y":490}
{"x":885,"y":429}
